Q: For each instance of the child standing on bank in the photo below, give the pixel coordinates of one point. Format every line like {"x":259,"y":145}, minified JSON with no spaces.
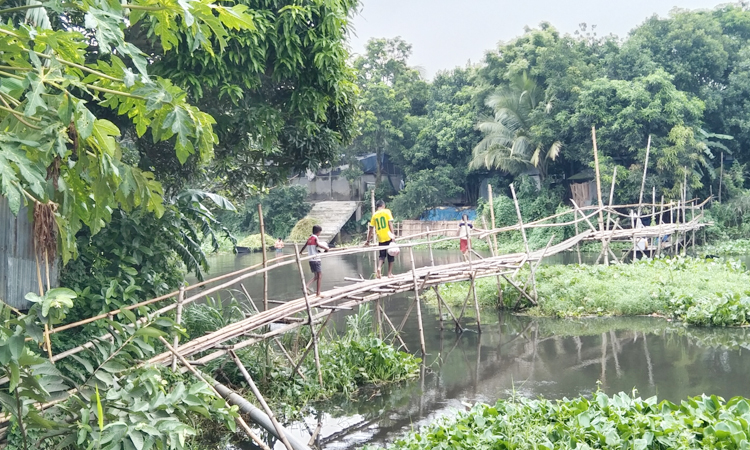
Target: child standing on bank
{"x":464,"y":233}
{"x":312,"y":245}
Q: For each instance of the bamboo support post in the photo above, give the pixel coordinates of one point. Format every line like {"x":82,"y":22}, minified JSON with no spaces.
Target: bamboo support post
{"x":419,"y":306}
{"x":309,"y":316}
{"x":643,"y":180}
{"x":406,"y":315}
{"x":453,"y":316}
{"x":492,"y":252}
{"x":476,"y":302}
{"x":578,"y":245}
{"x":429,"y":245}
{"x":721,"y":175}
{"x":598,"y":179}
{"x":178,"y":320}
{"x":521,"y":291}
{"x":492,"y":215}
{"x":605,"y":248}
{"x":261,"y":400}
{"x":265,"y":260}
{"x":523,"y":234}
{"x":200,"y":376}
{"x":661,"y":227}
{"x":310,"y":346}
{"x":440,"y":311}
{"x":395,"y":332}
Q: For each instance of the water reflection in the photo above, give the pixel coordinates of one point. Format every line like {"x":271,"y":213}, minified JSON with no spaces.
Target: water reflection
{"x":553,"y":358}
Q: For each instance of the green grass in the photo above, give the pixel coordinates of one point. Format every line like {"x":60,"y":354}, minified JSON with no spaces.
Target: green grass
{"x":253,"y":242}
{"x":302,"y":229}
{"x":618,"y":422}
{"x":727,"y":247}
{"x":694,"y":290}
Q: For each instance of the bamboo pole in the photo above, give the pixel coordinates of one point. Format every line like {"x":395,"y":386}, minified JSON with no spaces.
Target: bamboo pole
{"x":200,"y":376}
{"x":180,"y":298}
{"x":492,"y":252}
{"x":395,"y":332}
{"x":598,"y":179}
{"x":429,"y":245}
{"x":453,"y":316}
{"x":261,"y":400}
{"x":309,"y":316}
{"x":721,"y":175}
{"x":643,"y":180}
{"x":605,"y":249}
{"x":476,"y":303}
{"x":578,"y":246}
{"x":310,"y":346}
{"x":492,"y":214}
{"x":265,"y":260}
{"x":525,"y":241}
{"x":419,"y":306}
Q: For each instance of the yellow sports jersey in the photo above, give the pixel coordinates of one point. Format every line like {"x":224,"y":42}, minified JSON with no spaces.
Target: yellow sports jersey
{"x":380,"y":222}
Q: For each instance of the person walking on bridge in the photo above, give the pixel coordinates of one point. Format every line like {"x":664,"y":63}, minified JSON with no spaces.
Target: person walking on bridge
{"x":312,"y":245}
{"x":382,"y":223}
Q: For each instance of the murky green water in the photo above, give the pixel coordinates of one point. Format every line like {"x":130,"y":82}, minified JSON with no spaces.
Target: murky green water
{"x":533,"y":357}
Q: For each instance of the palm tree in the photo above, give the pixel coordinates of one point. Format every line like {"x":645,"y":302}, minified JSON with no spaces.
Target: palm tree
{"x":508,"y":144}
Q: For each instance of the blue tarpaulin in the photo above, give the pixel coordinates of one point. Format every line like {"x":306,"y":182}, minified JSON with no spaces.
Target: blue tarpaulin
{"x":448,"y":213}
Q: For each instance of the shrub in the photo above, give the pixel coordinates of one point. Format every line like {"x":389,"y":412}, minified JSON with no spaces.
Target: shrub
{"x":302,"y":230}
{"x":253,"y":242}
{"x":283,"y":206}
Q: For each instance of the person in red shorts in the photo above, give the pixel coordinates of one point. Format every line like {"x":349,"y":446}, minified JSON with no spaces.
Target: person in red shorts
{"x":464,"y":233}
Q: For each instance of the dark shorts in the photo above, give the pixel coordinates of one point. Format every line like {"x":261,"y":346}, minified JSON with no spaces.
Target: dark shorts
{"x":315,"y":266}
{"x":384,"y":253}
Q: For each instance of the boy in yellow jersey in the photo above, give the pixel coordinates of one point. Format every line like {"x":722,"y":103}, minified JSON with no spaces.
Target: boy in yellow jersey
{"x":382,"y":223}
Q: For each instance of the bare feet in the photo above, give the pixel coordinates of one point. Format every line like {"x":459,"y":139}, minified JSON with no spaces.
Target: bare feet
{"x":390,"y":275}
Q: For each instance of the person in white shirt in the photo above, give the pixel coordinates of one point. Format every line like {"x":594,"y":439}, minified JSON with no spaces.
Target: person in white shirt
{"x":312,"y":245}
{"x":464,"y":232}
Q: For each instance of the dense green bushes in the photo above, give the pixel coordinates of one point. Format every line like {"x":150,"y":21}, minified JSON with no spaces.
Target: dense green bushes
{"x":603,"y":422}
{"x":696,"y":291}
{"x":283,"y":206}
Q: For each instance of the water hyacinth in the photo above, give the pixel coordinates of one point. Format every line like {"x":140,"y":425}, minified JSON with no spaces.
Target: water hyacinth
{"x":619,"y":422}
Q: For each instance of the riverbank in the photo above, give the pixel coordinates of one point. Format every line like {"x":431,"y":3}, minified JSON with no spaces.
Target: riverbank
{"x":604,"y":422}
{"x":697,"y":291}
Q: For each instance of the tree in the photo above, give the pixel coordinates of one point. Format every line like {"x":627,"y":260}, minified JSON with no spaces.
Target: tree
{"x":391,"y":91}
{"x":282,"y":92}
{"x":60,"y":156}
{"x":509,"y":143}
{"x":426,"y":189}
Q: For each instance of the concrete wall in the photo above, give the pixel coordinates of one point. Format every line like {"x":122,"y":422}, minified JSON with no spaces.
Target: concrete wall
{"x":17,"y":262}
{"x":323,"y":188}
{"x":409,"y":227}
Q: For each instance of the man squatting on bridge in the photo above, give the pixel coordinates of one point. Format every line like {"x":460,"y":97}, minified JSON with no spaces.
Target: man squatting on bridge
{"x":312,"y":245}
{"x":382,"y":223}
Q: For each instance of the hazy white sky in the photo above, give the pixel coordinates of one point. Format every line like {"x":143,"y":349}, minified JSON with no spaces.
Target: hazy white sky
{"x":449,"y":33}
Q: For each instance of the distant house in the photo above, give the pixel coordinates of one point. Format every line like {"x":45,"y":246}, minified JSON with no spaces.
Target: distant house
{"x":330,"y":184}
{"x":18,"y":272}
{"x":582,"y":187}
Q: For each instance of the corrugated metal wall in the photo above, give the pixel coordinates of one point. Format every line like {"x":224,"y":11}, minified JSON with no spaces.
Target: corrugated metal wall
{"x":17,"y":263}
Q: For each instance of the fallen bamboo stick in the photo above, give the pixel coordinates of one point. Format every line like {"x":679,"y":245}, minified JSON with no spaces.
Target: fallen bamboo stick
{"x":200,"y":376}
{"x":310,"y":317}
{"x":261,"y":400}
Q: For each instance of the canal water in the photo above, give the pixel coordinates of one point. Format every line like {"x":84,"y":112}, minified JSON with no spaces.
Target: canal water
{"x":514,"y":355}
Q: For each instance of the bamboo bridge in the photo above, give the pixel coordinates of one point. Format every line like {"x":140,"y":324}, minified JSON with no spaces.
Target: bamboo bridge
{"x":605,"y":224}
